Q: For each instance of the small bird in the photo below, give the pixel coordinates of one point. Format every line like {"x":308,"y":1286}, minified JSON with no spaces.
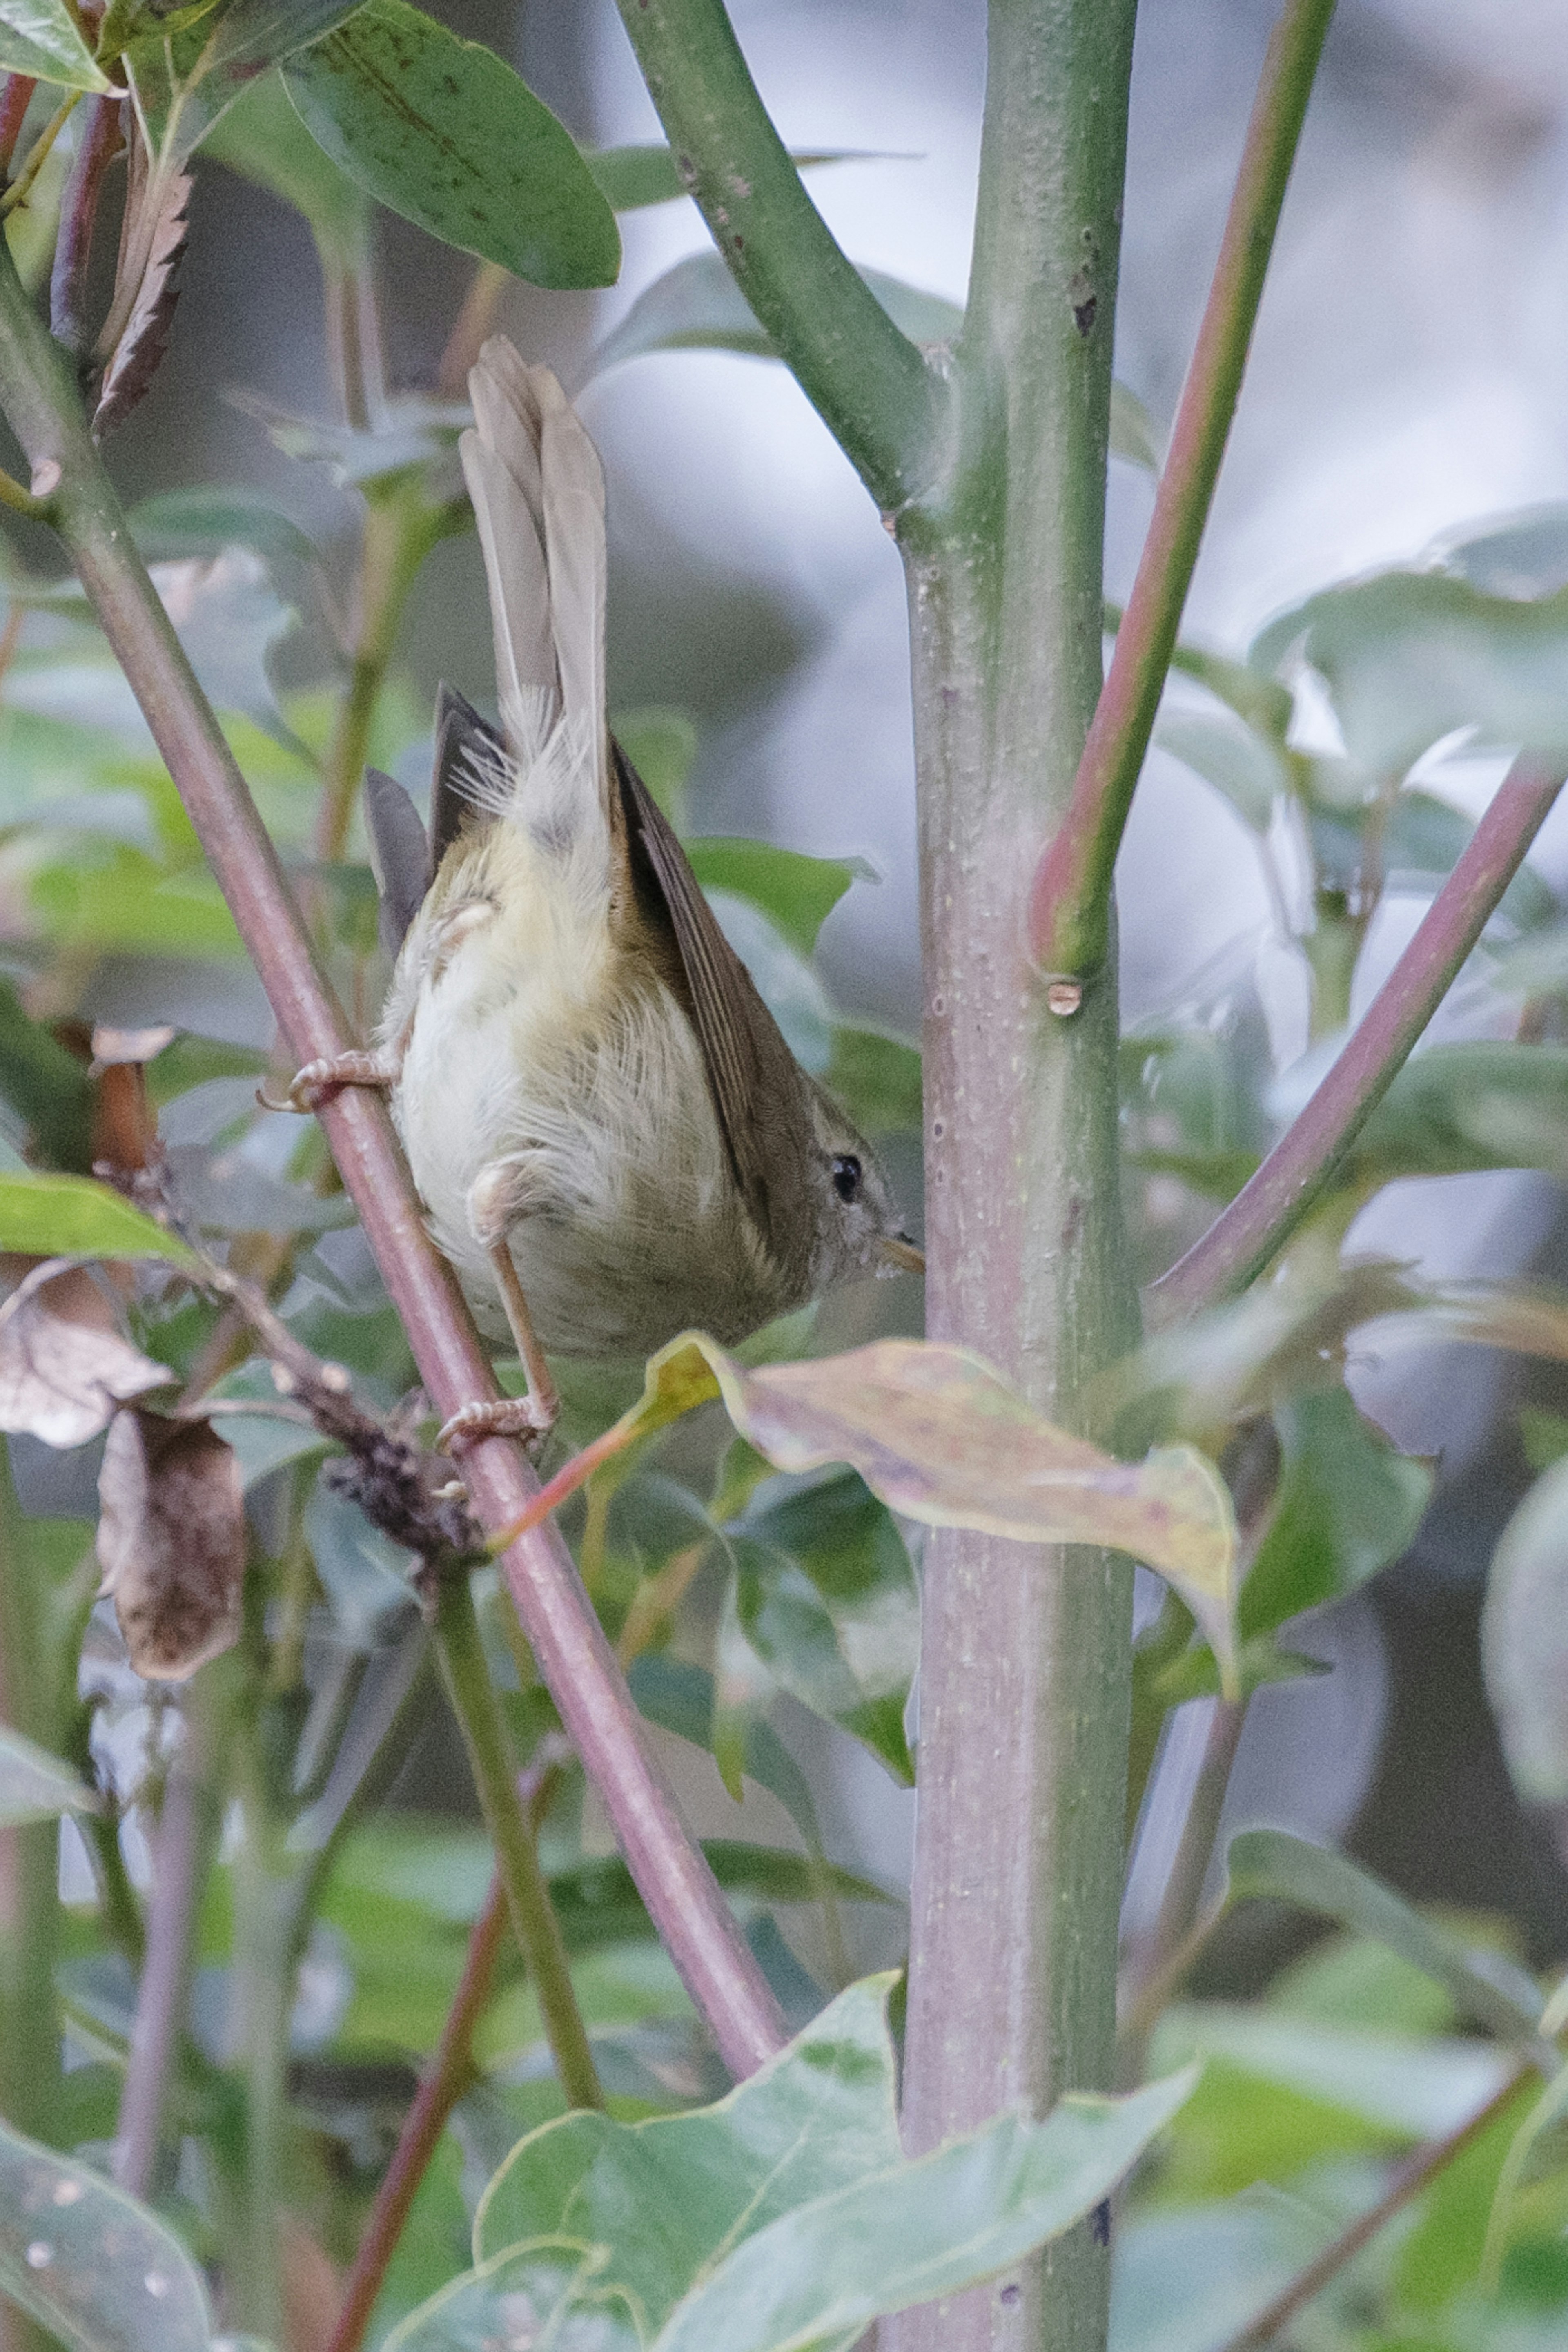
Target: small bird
{"x":612,"y":1138}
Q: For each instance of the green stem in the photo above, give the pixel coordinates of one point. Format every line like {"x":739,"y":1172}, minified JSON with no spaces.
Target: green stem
{"x":534,"y":1923}
{"x":875,"y":390}
{"x":401,"y":527}
{"x":1070,"y":913}
{"x":29,"y":1855}
{"x":1025,"y":1654}
{"x":269,"y":1895}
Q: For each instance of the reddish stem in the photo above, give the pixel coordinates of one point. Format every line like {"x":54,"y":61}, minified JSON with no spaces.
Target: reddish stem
{"x":14,"y":100}
{"x":1273,"y":1202}
{"x":101,"y":141}
{"x":1069,"y":920}
{"x":681,"y":1895}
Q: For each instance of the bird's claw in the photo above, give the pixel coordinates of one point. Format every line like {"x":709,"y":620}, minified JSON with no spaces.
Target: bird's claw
{"x":523,"y":1417}
{"x":318,"y":1081}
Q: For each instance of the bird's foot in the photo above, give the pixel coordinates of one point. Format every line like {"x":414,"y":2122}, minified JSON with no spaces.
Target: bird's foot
{"x":318,"y":1081}
{"x":526,"y":1417}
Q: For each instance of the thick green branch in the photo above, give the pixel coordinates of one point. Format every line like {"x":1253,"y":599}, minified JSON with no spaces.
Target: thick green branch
{"x":875,"y":392}
{"x":1070,"y":911}
{"x":1296,"y":1172}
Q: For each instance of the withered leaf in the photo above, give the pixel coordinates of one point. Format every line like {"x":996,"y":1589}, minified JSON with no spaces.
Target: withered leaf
{"x":171,"y":1541}
{"x":151,"y":254}
{"x":64,"y":1367}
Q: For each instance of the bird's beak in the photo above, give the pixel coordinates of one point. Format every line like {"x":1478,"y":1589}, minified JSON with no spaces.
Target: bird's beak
{"x":901,"y":1253}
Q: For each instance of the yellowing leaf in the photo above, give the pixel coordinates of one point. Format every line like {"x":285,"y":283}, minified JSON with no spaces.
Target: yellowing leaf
{"x":939,"y":1436}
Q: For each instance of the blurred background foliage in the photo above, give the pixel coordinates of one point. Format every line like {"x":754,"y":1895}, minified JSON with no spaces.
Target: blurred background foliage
{"x":1380,"y":613}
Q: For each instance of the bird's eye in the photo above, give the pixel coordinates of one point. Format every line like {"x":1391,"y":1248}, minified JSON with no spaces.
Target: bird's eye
{"x":847,"y":1177}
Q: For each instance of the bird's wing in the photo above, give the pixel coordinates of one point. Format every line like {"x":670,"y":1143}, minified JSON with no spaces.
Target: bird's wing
{"x":466,"y":749}
{"x":400,"y":855}
{"x":755,"y":1083}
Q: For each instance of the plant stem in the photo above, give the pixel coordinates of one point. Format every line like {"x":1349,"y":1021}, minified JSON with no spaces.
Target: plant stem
{"x":534,"y":1923}
{"x":21,"y":187}
{"x":14,"y":100}
{"x":875,"y":390}
{"x":269,"y":1902}
{"x":187,"y":1832}
{"x":681,"y":1895}
{"x":441,"y":2086}
{"x":29,"y":1854}
{"x":1025,"y":1653}
{"x":1070,"y":910}
{"x":1407,"y":2182}
{"x":1273,"y":1202}
{"x":100,"y":144}
{"x":401,"y":527}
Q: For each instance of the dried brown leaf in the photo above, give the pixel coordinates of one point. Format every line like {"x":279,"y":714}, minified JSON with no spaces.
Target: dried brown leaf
{"x":171,"y":1541}
{"x":64,"y":1367}
{"x":153,"y":255}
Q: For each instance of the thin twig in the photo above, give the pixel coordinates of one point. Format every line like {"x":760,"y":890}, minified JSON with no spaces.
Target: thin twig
{"x":467,"y":1678}
{"x":1273,"y":1202}
{"x":442,"y":2084}
{"x":682,"y":1897}
{"x":37,"y":154}
{"x":101,"y":141}
{"x":1071,"y":903}
{"x":1407,"y":2182}
{"x":876,"y":391}
{"x":185,"y":1825}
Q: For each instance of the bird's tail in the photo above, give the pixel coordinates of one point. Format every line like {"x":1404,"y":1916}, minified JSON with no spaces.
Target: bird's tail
{"x":539,"y":499}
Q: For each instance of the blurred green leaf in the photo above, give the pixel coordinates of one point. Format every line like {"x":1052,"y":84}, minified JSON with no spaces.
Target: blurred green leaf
{"x":1348,"y":1503}
{"x":1410,"y":656}
{"x":1479,"y":1103}
{"x":1543,"y":1436}
{"x":877,"y":1079}
{"x":202,"y":518}
{"x":597,"y":1901}
{"x":35,"y":1786}
{"x":1134,"y":434}
{"x":678,"y":1695}
{"x":796,"y":893}
{"x":1191,"y":2281}
{"x":1527,"y":2148}
{"x":1404,"y":2085}
{"x":784,"y":979}
{"x":827,"y":1598}
{"x":1269,"y":1863}
{"x":1524,"y":1640}
{"x":661,"y":746}
{"x":47,"y":1086}
{"x":697,"y":307}
{"x":263,"y":140}
{"x":1244,"y":766}
{"x":124,"y":899}
{"x":43,"y":39}
{"x":796,"y":2188}
{"x":416,"y":432}
{"x":258,"y":33}
{"x":557,"y":2284}
{"x":363,"y":1573}
{"x":1427,"y":836}
{"x":73,"y":1216}
{"x":89,"y":2262}
{"x":632,"y":177}
{"x":443,"y":131}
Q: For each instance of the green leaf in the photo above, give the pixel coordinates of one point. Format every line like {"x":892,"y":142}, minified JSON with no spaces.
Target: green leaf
{"x":1427,"y":836}
{"x":661,"y":746}
{"x":942,"y":1439}
{"x":1190,"y":2280}
{"x":678,"y":1695}
{"x":90,"y":2263}
{"x":697,"y":307}
{"x":258,"y":33}
{"x":1544,"y":2118}
{"x":632,"y":177}
{"x":827,"y":1598}
{"x":1409,"y":657}
{"x":1133,"y":432}
{"x":1269,"y":1863}
{"x":795,"y":892}
{"x":40,"y":37}
{"x":557,"y":2284}
{"x":47,"y":1086}
{"x":877,"y":1079}
{"x":442,"y":131}
{"x":1348,"y":1503}
{"x":202,"y":518}
{"x":1524,"y":1640}
{"x":1405,"y":2085}
{"x":1243,"y":765}
{"x":72,"y":1216}
{"x":1479,"y":1103}
{"x":35,"y":1786}
{"x":795,"y":2185}
{"x":597,"y":1901}
{"x":263,"y":140}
